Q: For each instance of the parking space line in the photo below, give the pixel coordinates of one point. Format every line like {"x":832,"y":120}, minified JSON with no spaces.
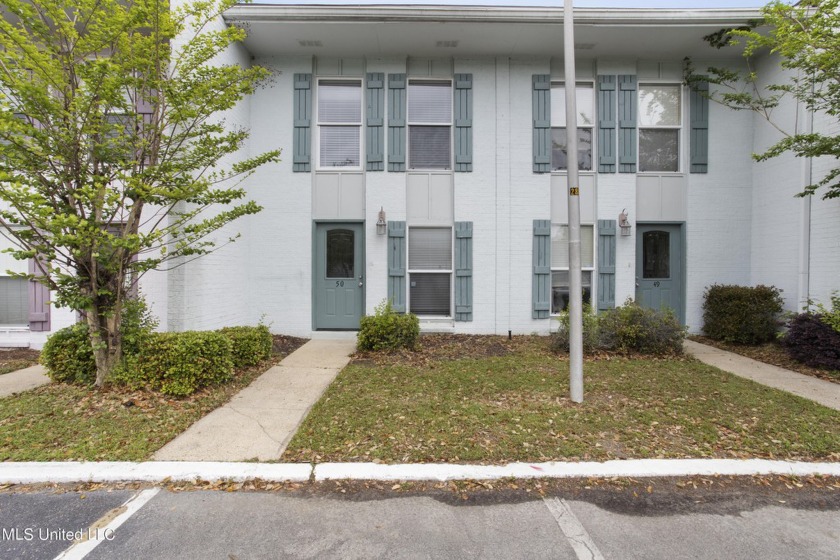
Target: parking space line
{"x":571,"y":526}
{"x":98,"y":534}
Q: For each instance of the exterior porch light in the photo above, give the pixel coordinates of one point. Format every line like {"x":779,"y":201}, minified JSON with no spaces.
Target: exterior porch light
{"x":624,"y":223}
{"x":381,"y":224}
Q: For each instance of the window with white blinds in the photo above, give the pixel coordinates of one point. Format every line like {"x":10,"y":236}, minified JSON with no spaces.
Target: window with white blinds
{"x":429,"y":124}
{"x":339,"y":123}
{"x":430,"y":271}
{"x":430,"y":249}
{"x":560,"y":246}
{"x":14,"y":301}
{"x":560,"y":265}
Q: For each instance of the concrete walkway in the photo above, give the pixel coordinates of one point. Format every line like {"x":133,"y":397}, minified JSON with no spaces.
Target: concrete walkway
{"x":261,"y":419}
{"x":825,"y":393}
{"x":22,"y":380}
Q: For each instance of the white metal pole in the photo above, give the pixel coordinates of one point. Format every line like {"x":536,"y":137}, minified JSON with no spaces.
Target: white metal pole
{"x":575,"y":292}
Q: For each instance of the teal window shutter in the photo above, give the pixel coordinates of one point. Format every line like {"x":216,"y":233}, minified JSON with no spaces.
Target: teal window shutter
{"x":375,"y":130}
{"x":699,"y":116}
{"x":302,"y":142}
{"x":541,"y":292}
{"x":463,"y":271}
{"x":627,"y":153}
{"x":396,"y":265}
{"x":606,"y":264}
{"x":606,"y":124}
{"x":463,"y":122}
{"x":396,"y":122}
{"x":541,"y":104}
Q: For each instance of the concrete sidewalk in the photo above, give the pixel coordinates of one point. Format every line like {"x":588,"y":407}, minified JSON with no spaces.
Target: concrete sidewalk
{"x":261,"y":419}
{"x":22,"y":380}
{"x":823,"y":392}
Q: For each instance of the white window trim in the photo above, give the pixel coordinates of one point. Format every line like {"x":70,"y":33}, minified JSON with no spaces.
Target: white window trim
{"x":319,"y":124}
{"x":682,"y":154}
{"x":593,"y":288}
{"x":450,"y":271}
{"x":593,"y":128}
{"x":450,"y":124}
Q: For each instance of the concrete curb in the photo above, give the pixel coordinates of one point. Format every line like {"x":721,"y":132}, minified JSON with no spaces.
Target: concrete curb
{"x":152,"y":471}
{"x":628,"y":468}
{"x":159,"y":471}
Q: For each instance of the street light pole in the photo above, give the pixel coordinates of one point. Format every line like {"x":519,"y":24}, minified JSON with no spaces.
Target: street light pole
{"x":575,"y":291}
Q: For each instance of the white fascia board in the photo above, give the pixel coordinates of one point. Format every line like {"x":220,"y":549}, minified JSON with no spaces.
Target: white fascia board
{"x":488,"y":14}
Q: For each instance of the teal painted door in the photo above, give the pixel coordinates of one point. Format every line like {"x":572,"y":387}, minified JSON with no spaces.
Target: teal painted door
{"x":659,"y":278}
{"x":339,"y":275}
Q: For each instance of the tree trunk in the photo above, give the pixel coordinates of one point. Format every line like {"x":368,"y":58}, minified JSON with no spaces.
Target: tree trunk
{"x":106,"y":339}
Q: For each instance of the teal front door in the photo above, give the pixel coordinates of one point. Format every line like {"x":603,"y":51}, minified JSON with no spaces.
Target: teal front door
{"x":339,"y":275}
{"x":659,"y":278}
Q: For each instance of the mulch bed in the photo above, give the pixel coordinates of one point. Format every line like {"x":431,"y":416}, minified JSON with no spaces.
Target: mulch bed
{"x":771,"y":353}
{"x":446,"y":347}
{"x":285,"y":345}
{"x":13,"y":359}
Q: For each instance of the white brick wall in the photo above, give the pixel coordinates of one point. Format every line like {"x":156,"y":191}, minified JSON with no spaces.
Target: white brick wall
{"x":825,"y":226}
{"x":742,"y":222}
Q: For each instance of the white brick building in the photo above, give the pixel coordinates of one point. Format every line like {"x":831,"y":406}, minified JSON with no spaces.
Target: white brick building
{"x":450,"y":120}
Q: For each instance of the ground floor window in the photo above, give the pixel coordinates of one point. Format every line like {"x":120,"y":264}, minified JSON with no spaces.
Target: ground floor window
{"x":560,"y":265}
{"x":14,"y":301}
{"x":430,"y":271}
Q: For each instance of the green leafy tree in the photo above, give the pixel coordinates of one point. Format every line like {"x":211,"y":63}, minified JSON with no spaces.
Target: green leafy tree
{"x":806,"y":38}
{"x":113,"y":145}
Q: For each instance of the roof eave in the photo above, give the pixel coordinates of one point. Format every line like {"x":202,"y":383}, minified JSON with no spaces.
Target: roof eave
{"x":487,"y":14}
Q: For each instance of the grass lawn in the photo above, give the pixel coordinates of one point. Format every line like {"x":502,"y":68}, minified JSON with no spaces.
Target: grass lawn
{"x":60,"y":422}
{"x":487,"y":399}
{"x":771,"y":353}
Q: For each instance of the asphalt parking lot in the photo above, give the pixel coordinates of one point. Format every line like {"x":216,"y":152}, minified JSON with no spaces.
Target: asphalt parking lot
{"x":616,"y":523}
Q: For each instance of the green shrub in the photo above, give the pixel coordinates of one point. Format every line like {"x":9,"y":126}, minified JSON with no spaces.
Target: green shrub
{"x":831,"y":317}
{"x":251,"y":345}
{"x":68,"y":356}
{"x":633,"y":328}
{"x":742,"y":314}
{"x":591,"y":338}
{"x":386,"y":329}
{"x":137,"y":323}
{"x":180,"y":363}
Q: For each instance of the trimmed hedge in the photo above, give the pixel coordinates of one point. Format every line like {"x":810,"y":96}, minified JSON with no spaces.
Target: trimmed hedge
{"x":68,"y":356}
{"x":812,"y":341}
{"x":180,"y":363}
{"x":742,"y":314}
{"x":388,"y":330}
{"x":250,"y":345}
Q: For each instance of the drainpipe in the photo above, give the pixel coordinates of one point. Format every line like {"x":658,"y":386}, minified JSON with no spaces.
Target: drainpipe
{"x":805,"y":220}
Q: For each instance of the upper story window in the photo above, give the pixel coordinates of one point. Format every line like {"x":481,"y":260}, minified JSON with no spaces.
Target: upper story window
{"x":585,"y":101}
{"x":660,"y":120}
{"x":339,"y":123}
{"x":429,"y":124}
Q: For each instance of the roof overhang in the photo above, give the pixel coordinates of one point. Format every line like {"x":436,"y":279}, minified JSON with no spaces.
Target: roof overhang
{"x":440,"y":31}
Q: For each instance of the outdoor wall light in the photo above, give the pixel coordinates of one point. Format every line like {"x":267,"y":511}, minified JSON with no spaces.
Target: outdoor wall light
{"x":624,"y":223}
{"x":381,"y":224}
